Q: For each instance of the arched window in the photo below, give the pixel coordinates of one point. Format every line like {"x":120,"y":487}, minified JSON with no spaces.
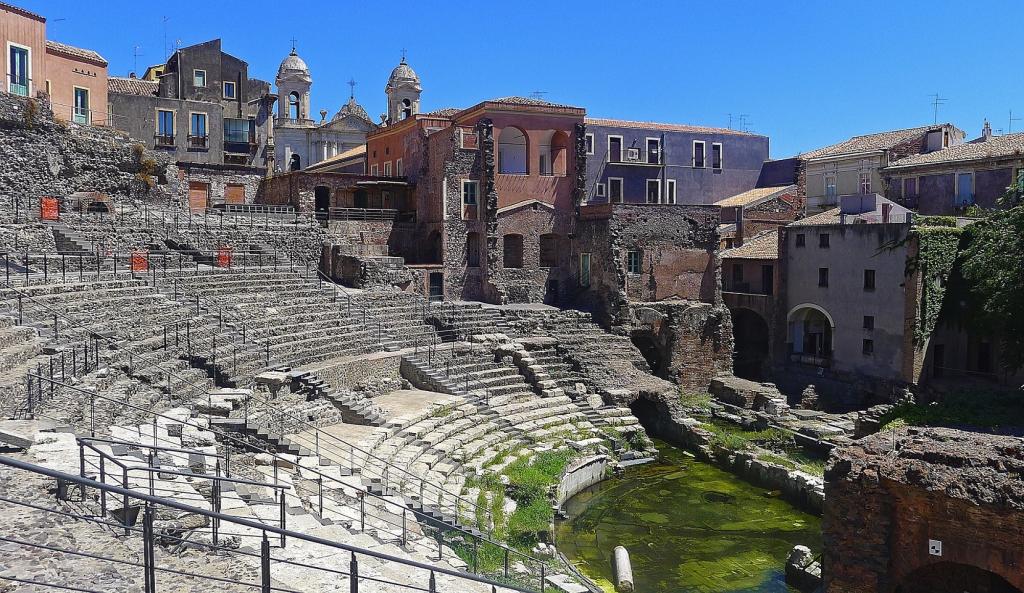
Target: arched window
{"x":406,"y":108}
{"x":512,"y":151}
{"x":559,"y":153}
{"x":293,"y":105}
{"x":513,"y":251}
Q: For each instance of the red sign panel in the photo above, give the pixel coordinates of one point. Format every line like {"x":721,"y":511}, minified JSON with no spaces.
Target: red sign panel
{"x":224,"y":257}
{"x":140,"y":261}
{"x":49,"y":209}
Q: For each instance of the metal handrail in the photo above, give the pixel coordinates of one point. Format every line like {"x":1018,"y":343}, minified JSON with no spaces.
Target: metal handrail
{"x":329,"y":436}
{"x":321,"y":476}
{"x":285,"y":533}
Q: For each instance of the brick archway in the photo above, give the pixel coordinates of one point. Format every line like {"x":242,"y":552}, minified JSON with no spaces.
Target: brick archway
{"x":952,"y":577}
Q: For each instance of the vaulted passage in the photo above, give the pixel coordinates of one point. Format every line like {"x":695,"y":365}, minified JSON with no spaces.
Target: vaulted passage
{"x":951,"y":577}
{"x":750,"y":335}
{"x":651,"y":352}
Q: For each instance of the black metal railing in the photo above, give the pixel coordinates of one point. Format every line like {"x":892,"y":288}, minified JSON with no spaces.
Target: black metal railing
{"x":198,"y":141}
{"x":420,"y":576}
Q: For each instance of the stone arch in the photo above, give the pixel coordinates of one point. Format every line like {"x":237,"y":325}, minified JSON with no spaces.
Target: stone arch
{"x":751,"y":339}
{"x":294,"y":105}
{"x":810,"y":331}
{"x":953,"y":577}
{"x":560,"y":153}
{"x":513,"y":151}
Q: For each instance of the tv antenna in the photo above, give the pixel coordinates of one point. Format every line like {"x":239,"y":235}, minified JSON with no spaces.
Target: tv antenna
{"x":135,"y":58}
{"x":936,"y":101}
{"x":167,"y":48}
{"x":538,"y":95}
{"x":1012,"y":119}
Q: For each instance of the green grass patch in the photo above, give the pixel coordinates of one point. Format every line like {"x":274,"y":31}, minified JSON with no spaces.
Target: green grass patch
{"x":981,"y":410}
{"x":695,"y":401}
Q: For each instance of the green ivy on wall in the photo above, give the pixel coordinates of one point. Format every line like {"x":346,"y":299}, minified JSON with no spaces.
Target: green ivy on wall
{"x":938,"y":245}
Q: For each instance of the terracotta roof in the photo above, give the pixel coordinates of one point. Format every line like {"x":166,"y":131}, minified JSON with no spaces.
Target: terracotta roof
{"x":826,"y":217}
{"x":445,"y":112}
{"x":995,"y":147}
{"x":132,"y":86}
{"x":22,"y":11}
{"x":647,"y":125}
{"x":868,"y":142}
{"x":70,"y":50}
{"x":526,"y":101}
{"x":340,"y":157}
{"x":752,"y":196}
{"x":764,"y":245}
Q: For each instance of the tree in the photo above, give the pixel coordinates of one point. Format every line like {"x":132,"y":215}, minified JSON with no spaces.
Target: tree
{"x":992,"y":266}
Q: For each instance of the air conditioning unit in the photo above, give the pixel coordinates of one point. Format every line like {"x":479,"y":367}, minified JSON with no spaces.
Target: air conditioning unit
{"x":632,"y":154}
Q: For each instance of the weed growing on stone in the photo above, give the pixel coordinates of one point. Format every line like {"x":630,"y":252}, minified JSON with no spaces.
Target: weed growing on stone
{"x":698,"y":402}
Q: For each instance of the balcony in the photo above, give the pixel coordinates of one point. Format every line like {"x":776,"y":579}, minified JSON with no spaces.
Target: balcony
{"x":18,"y":85}
{"x":199,"y":142}
{"x":634,"y":156}
{"x":164,"y":140}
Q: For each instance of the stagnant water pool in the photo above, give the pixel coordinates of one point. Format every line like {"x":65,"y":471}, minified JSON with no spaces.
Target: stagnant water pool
{"x":688,"y":526}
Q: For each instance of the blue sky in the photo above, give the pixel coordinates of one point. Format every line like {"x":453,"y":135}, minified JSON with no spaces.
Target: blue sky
{"x":805,"y":73}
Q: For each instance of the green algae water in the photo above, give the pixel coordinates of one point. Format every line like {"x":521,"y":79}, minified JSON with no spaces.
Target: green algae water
{"x":688,"y":526}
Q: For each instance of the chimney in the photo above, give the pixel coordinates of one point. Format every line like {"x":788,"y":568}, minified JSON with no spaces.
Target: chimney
{"x":131,"y":75}
{"x":986,"y":132}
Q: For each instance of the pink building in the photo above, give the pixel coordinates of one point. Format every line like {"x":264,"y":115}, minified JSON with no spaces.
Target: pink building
{"x":74,"y":80}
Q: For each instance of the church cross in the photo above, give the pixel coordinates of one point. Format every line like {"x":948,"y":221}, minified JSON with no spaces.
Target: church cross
{"x":403,"y":54}
{"x":352,"y":84}
{"x":294,"y":41}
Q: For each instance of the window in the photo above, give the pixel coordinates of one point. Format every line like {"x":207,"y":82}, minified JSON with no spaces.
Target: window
{"x":964,"y":189}
{"x":801,"y":239}
{"x":869,"y":279}
{"x":199,"y":78}
{"x":512,"y":151}
{"x":830,"y":187}
{"x":197,"y":130}
{"x":599,"y":190}
{"x":823,"y":277}
{"x":653,"y":151}
{"x":80,"y":112}
{"x":698,"y":154}
{"x":767,"y":279}
{"x":653,"y":191}
{"x":614,"y":149}
{"x":229,"y":90}
{"x":716,"y":156}
{"x":633,"y":265}
{"x":615,"y":190}
{"x":387,"y":168}
{"x":869,"y":322}
{"x":473,"y":250}
{"x":865,"y":182}
{"x":469,"y":192}
{"x":670,"y":191}
{"x":824,"y":240}
{"x":373,"y":170}
{"x":512,"y":251}
{"x":868,"y":347}
{"x":737,"y":273}
{"x":398,"y":168}
{"x":549,"y":250}
{"x":294,"y":108}
{"x":237,"y":131}
{"x":19,"y":69}
{"x":910,"y":187}
{"x":589,"y":139}
{"x":544,"y":163}
{"x":585,"y":270}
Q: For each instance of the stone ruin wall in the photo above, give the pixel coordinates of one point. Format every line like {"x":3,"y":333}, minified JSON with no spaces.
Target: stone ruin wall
{"x":44,"y":157}
{"x":891,"y":496}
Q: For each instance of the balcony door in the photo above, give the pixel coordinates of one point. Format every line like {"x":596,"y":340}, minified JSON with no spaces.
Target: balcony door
{"x":81,"y":113}
{"x":653,"y":151}
{"x":18,"y":71}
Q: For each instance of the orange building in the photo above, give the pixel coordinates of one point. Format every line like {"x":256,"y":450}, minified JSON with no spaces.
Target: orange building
{"x":74,"y":80}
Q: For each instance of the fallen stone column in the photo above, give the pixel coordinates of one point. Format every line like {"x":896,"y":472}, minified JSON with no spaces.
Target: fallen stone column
{"x":623,"y":571}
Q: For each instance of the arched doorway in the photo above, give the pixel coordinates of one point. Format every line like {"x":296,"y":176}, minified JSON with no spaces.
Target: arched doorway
{"x":951,"y":577}
{"x":809,"y":334}
{"x":321,"y":199}
{"x":512,"y":151}
{"x":650,"y":348}
{"x":750,"y":338}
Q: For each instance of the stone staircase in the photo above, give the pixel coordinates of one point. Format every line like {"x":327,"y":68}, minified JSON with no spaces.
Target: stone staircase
{"x":355,"y":409}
